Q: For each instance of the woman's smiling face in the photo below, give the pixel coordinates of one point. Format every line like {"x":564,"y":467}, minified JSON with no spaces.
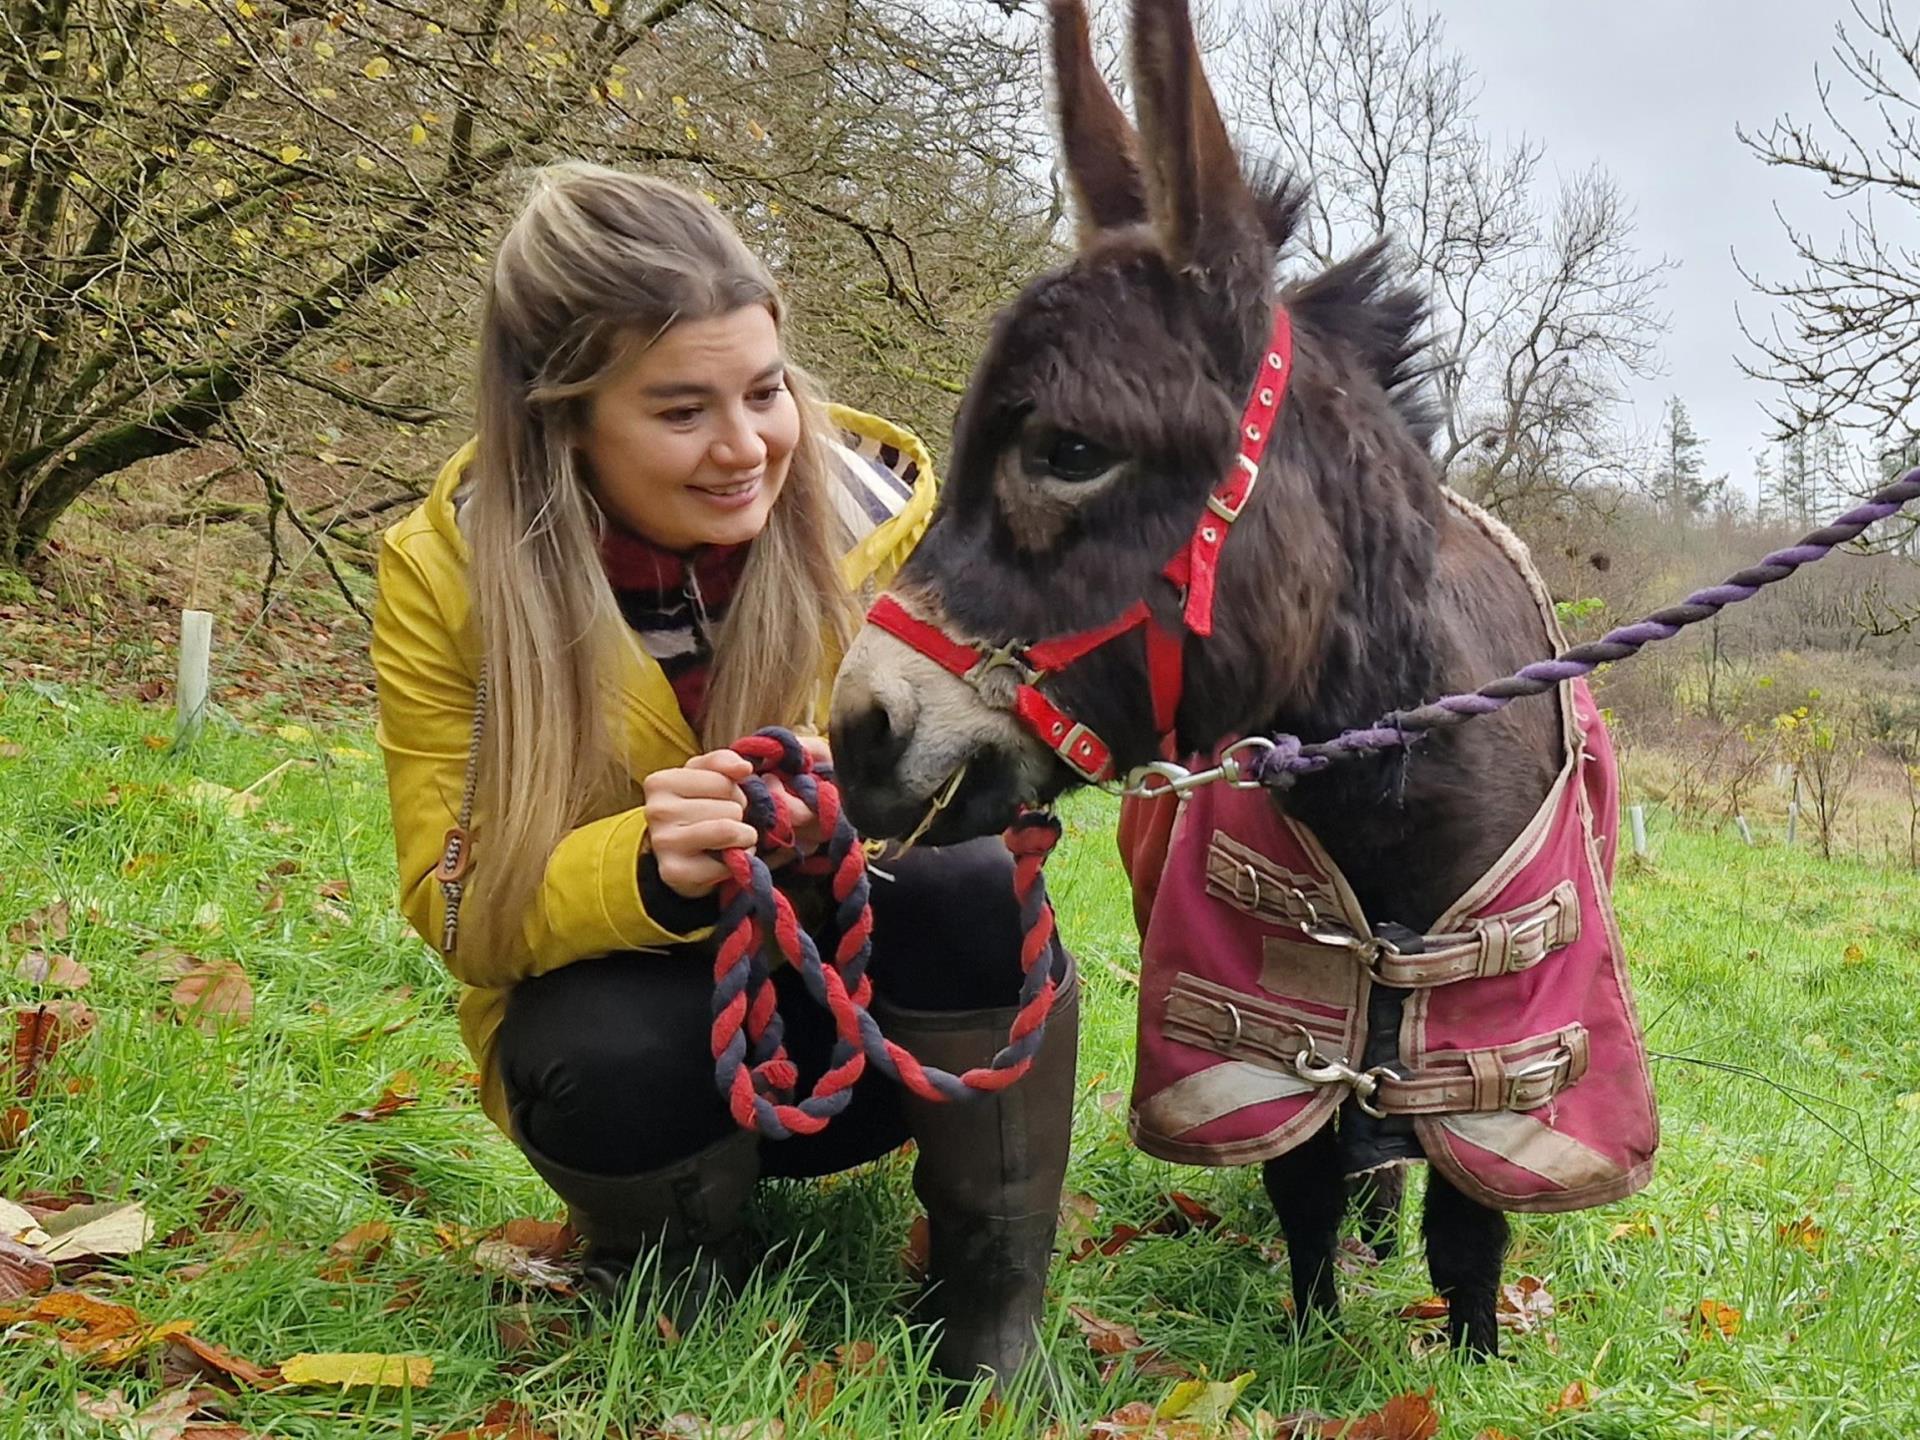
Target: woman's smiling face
{"x":688,"y":443}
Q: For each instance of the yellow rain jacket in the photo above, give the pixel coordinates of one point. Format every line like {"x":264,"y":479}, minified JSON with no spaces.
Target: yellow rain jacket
{"x":426,"y":659}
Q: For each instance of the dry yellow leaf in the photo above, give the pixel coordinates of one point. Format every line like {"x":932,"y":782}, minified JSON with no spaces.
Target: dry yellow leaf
{"x":1202,"y":1402}
{"x":377,"y":68}
{"x":359,"y":1370}
{"x":235,"y":802}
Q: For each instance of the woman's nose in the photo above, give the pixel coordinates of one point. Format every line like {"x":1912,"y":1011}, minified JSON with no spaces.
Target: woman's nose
{"x":740,"y":445}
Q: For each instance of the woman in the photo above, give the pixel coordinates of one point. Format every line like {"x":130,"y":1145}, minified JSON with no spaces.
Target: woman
{"x":653,"y":546}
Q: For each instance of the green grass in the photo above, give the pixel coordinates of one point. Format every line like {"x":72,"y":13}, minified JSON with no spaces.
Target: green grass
{"x":1804,"y":972}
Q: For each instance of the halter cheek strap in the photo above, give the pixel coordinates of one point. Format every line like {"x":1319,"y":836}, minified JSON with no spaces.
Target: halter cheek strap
{"x":1193,"y":571}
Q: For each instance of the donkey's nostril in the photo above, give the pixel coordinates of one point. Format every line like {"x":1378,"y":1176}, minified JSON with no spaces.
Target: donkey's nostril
{"x":868,"y":744}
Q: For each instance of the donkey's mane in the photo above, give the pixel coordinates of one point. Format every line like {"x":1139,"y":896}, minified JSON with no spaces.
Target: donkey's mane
{"x":1361,"y":303}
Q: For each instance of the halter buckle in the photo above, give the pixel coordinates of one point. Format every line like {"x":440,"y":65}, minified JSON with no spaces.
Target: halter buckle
{"x":1010,"y":656}
{"x":1092,"y":773}
{"x":1231,"y":513}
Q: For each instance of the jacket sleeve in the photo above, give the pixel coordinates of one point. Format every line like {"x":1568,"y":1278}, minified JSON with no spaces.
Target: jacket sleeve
{"x":589,"y":902}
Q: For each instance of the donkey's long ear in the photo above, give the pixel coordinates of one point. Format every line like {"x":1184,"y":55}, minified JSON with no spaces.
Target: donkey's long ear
{"x":1199,"y":198}
{"x":1102,"y":151}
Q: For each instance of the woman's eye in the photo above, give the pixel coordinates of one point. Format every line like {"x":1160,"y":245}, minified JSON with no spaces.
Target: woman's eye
{"x":683,"y":416}
{"x":766,"y":396}
{"x":1067,"y":456}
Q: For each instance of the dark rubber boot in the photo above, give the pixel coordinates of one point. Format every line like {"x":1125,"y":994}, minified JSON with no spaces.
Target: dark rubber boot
{"x":687,"y":1217}
{"x":989,"y":1171}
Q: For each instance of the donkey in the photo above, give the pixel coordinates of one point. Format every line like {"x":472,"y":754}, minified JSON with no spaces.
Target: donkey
{"x":1089,"y":448}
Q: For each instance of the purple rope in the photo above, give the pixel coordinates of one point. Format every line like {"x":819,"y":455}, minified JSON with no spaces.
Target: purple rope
{"x":1291,"y":757}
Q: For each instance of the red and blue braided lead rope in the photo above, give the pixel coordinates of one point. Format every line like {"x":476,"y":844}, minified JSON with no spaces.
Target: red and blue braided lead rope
{"x":758,"y":929}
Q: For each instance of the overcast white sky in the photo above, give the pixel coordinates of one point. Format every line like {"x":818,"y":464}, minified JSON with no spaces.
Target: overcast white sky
{"x":1653,"y":89}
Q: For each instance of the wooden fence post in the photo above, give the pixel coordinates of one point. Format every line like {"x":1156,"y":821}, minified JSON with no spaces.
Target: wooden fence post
{"x":190,"y":686}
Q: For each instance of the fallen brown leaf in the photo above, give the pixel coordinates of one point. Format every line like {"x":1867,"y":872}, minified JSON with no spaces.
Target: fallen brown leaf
{"x":23,"y":1270}
{"x":915,"y":1254}
{"x":1404,"y":1417}
{"x":1724,"y":1318}
{"x":38,"y":1033}
{"x":1525,"y":1305}
{"x":166,"y":1418}
{"x":212,"y":1361}
{"x":170,"y":961}
{"x":39,"y":967}
{"x":1105,"y":1337}
{"x":1136,"y":1417}
{"x":359,"y":1247}
{"x":404,"y":1294}
{"x":514,"y":1335}
{"x":504,"y":1420}
{"x":514,"y":1262}
{"x":214,"y":994}
{"x":95,"y":1330}
{"x":861,"y":1357}
{"x":1803,"y":1234}
{"x":1078,"y":1212}
{"x":337,"y":889}
{"x":402,"y":1091}
{"x":544,"y":1239}
{"x":217,"y":1210}
{"x":816,"y":1389}
{"x":1193,"y":1210}
{"x":49,"y":922}
{"x":83,"y":1231}
{"x":1577,"y":1396}
{"x":397,"y":1181}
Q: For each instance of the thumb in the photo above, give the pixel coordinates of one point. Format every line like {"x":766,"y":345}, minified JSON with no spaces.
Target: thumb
{"x":733,"y":765}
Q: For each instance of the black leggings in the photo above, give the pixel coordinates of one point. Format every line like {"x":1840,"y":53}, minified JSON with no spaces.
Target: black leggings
{"x":606,"y":1061}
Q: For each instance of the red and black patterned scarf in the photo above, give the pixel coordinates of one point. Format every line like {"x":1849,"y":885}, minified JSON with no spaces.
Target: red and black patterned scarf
{"x":675,"y":603}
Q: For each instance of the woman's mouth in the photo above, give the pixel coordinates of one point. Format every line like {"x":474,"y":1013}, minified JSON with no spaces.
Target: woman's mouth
{"x":733,"y":494}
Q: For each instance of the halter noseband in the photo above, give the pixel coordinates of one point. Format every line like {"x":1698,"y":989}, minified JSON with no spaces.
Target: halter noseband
{"x":1193,"y":570}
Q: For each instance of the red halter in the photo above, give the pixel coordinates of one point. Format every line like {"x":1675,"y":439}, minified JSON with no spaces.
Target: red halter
{"x":1193,"y":570}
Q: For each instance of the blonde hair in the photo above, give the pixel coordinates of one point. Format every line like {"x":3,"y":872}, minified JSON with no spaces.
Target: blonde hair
{"x":600,"y":264}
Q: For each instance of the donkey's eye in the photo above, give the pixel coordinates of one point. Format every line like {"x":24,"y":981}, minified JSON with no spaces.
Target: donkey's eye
{"x":1064,"y":455}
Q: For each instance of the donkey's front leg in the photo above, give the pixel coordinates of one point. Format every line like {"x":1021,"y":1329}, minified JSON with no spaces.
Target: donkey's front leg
{"x":1466,"y":1243}
{"x":1310,"y":1198}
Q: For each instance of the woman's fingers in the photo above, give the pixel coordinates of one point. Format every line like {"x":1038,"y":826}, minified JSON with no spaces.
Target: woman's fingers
{"x":699,"y":836}
{"x":734,"y":766}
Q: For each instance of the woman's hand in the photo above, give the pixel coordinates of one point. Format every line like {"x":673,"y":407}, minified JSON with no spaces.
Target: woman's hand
{"x":693,"y":811}
{"x":807,"y":834}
